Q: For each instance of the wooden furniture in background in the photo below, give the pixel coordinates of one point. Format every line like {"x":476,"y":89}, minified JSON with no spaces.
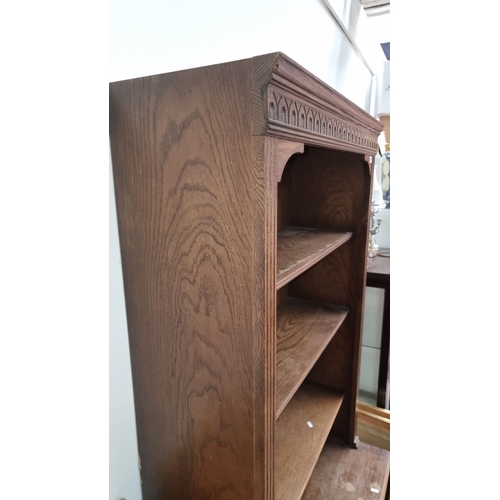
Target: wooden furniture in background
{"x":374,"y":426}
{"x":357,"y":474}
{"x":379,"y":276}
{"x":243,"y":193}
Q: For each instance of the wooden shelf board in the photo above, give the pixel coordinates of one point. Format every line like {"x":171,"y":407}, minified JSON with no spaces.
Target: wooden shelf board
{"x":300,"y":248}
{"x":345,"y":473}
{"x":298,"y":445}
{"x":304,"y":329}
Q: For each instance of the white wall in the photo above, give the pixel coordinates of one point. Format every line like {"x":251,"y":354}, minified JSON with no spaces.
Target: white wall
{"x":124,"y":480}
{"x":152,"y":36}
{"x":381,"y":32}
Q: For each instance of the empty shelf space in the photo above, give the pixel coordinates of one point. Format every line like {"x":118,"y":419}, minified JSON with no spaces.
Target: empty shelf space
{"x":301,"y":432}
{"x":300,"y":248}
{"x":345,"y":473}
{"x":304,"y":329}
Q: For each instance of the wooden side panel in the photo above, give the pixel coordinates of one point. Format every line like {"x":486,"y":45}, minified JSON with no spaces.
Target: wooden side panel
{"x":194,"y":219}
{"x":264,"y":304}
{"x":331,"y":189}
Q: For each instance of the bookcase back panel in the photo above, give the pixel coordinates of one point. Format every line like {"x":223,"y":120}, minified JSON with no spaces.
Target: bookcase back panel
{"x":330,"y":189}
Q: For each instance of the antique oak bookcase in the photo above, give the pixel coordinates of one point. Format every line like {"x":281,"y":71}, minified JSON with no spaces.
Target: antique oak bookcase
{"x":243,"y":196}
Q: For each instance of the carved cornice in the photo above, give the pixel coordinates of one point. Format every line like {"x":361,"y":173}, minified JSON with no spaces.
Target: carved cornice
{"x":291,"y":103}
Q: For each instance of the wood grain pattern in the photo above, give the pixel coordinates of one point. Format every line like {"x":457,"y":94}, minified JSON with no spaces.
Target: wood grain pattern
{"x":196,"y":163}
{"x":295,"y":118}
{"x":284,"y":188}
{"x":298,"y":445}
{"x":300,"y":248}
{"x":335,"y":194}
{"x":332,"y":282}
{"x":282,"y":86}
{"x":264,"y":149}
{"x":304,"y":329}
{"x":282,"y":295}
{"x":374,"y":426}
{"x":262,"y":73}
{"x":373,"y":410}
{"x":194,"y":200}
{"x":284,"y":150}
{"x":346,"y":474}
{"x":379,"y":267}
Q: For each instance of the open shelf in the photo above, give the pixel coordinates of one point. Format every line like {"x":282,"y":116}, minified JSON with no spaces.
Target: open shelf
{"x":344,"y":473}
{"x":304,"y":329}
{"x":298,"y":445}
{"x":240,"y":188}
{"x":300,"y":248}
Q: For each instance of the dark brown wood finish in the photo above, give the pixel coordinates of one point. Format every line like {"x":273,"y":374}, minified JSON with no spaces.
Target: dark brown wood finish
{"x":284,"y":187}
{"x":300,"y":248}
{"x":282,"y":296}
{"x":379,"y":267}
{"x":335,"y":194}
{"x":283,"y":90}
{"x":303,"y":331}
{"x":301,"y":431}
{"x":196,"y":212}
{"x":201,"y":191}
{"x":264,"y":149}
{"x":346,"y":474}
{"x":284,"y":150}
{"x":379,"y":276}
